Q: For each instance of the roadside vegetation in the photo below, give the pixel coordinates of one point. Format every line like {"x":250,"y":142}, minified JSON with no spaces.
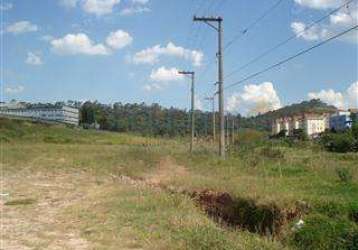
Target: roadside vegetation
{"x":341,"y":142}
{"x":131,"y":192}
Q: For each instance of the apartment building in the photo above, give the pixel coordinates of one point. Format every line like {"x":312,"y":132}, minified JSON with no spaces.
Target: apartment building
{"x":63,"y":114}
{"x":311,"y":123}
{"x":340,"y":121}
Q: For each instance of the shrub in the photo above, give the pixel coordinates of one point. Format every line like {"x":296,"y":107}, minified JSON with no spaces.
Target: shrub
{"x":339,"y":142}
{"x":300,"y":134}
{"x":281,"y":134}
{"x":355,"y":130}
{"x":323,"y":232}
{"x":330,"y":208}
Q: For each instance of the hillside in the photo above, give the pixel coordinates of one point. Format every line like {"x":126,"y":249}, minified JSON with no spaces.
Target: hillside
{"x":76,"y":189}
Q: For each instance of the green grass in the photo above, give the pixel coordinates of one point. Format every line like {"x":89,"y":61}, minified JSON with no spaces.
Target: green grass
{"x":132,"y":217}
{"x":267,"y":172}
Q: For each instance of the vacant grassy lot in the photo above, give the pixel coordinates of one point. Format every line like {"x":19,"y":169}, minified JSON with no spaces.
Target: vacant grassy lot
{"x":66,"y":188}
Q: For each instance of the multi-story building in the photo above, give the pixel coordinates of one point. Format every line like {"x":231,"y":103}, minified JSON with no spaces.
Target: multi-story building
{"x":63,"y":114}
{"x":311,"y":123}
{"x":340,"y":121}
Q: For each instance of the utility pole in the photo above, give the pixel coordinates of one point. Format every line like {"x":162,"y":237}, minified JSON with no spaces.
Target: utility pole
{"x":227,"y":130}
{"x":212,"y":99}
{"x":192,"y":118}
{"x":233,"y":131}
{"x":219,"y":29}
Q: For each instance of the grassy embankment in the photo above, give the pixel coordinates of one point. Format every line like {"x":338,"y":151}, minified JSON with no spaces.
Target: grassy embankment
{"x":262,"y":178}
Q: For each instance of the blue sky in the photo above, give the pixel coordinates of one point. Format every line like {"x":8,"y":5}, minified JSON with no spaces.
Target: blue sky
{"x":129,"y":51}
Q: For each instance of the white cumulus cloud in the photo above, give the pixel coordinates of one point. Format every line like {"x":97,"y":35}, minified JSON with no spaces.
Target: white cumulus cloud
{"x":119,"y":39}
{"x":21,"y":27}
{"x":320,"y":4}
{"x":135,"y":7}
{"x":313,"y":34}
{"x":352,"y":95}
{"x":343,"y":19}
{"x":33,"y":59}
{"x":14,"y":89}
{"x":164,"y":74}
{"x":162,"y":77}
{"x":254,"y":99}
{"x":152,"y":55}
{"x":80,"y":43}
{"x":95,"y":7}
{"x":99,"y":7}
{"x":347,"y":99}
{"x":73,"y":44}
{"x":329,"y":96}
{"x":134,"y":10}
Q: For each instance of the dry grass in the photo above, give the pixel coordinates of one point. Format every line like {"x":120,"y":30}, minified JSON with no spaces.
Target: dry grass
{"x":70,"y":177}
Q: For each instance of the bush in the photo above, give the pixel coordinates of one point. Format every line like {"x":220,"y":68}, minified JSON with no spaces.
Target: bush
{"x":300,"y":134}
{"x":281,"y":134}
{"x":355,"y":130}
{"x":339,"y":142}
{"x":323,"y":232}
{"x":345,"y":176}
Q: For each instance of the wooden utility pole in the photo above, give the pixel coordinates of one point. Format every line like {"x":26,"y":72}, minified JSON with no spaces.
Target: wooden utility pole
{"x":227,"y":130}
{"x":219,"y":29}
{"x":212,"y":99}
{"x":233,"y":131}
{"x":192,"y":117}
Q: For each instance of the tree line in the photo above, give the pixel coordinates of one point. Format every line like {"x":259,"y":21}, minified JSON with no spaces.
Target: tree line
{"x":156,"y":120}
{"x":149,"y":119}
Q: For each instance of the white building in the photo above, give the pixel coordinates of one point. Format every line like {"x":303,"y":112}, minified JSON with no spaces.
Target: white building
{"x":311,"y":123}
{"x":63,"y":114}
{"x":340,"y":121}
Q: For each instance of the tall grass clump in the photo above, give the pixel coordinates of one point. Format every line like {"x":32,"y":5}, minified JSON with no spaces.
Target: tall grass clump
{"x":323,"y":232}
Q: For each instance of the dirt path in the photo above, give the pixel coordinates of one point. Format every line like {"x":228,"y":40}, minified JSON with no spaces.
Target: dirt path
{"x":34,"y":221}
{"x":167,"y":170}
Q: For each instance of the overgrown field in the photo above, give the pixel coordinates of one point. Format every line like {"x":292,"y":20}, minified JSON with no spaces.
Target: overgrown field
{"x":66,"y":188}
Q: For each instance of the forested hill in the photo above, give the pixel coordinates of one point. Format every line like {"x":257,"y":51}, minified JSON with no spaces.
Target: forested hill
{"x":263,"y":121}
{"x":157,"y":120}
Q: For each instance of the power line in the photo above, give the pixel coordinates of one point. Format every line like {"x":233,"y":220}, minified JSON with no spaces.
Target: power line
{"x":292,"y":57}
{"x":279,"y":45}
{"x":250,"y":26}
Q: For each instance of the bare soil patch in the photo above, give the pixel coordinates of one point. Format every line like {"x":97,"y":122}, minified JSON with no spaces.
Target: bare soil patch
{"x":166,"y":171}
{"x":268,"y":219}
{"x":32,"y":210}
